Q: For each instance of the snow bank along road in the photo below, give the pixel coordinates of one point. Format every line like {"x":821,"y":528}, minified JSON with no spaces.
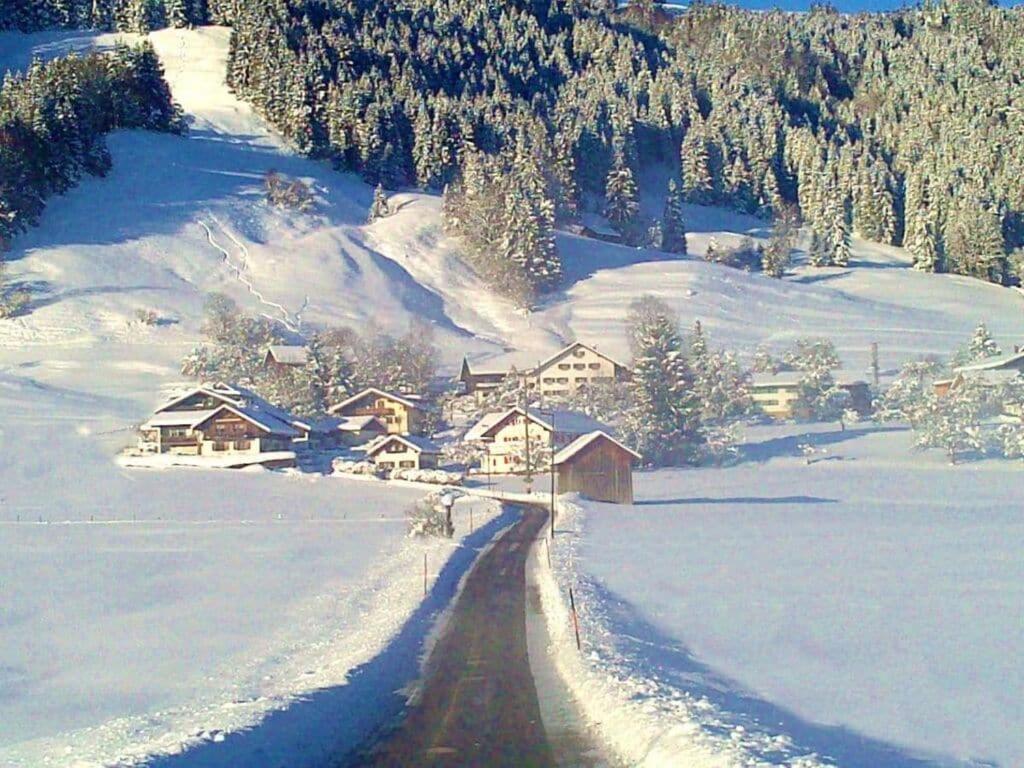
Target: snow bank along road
{"x":479,"y":704}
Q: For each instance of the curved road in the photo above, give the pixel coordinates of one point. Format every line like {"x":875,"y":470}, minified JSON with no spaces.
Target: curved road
{"x":478,"y":705}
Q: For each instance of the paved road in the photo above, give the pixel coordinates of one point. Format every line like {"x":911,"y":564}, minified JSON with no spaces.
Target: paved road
{"x":479,"y":705}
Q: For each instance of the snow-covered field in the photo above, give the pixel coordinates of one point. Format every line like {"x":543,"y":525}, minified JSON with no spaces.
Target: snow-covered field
{"x":141,"y":634}
{"x":145,"y":612}
{"x":863,"y":611}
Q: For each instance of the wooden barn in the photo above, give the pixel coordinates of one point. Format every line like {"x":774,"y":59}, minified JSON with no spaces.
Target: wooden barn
{"x":597,"y":466}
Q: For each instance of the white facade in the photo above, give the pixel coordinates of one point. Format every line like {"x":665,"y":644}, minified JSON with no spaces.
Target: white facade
{"x":577,"y":365}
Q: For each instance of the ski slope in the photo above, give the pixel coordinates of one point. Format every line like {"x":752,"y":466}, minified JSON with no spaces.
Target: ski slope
{"x":202,"y":608}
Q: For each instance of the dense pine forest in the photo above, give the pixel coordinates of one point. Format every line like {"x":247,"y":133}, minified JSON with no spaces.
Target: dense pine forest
{"x":904,"y":128}
{"x":53,"y":119}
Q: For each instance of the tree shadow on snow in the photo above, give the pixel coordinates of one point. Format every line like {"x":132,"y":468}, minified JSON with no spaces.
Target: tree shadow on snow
{"x":652,"y":655}
{"x":791,"y":445}
{"x":583,"y":257}
{"x":327,"y":726}
{"x":737,"y":500}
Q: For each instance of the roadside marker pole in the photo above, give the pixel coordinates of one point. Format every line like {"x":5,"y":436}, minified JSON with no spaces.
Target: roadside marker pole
{"x":575,"y":620}
{"x":470,"y":518}
{"x":424,"y":573}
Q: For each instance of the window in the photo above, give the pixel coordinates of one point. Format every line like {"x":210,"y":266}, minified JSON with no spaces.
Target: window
{"x":407,"y":464}
{"x":580,"y":366}
{"x":563,"y":366}
{"x":386,"y":464}
{"x":219,"y":445}
{"x":595,"y":366}
{"x":579,"y":352}
{"x":177,"y":432}
{"x":243,"y":445}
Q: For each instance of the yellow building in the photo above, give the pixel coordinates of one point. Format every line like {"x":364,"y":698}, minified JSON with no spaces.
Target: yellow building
{"x":401,"y":414}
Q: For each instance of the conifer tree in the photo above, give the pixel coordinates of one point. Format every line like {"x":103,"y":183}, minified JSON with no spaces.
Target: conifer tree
{"x":673,"y":225}
{"x":380,"y":207}
{"x":664,"y":418}
{"x":622,"y":206}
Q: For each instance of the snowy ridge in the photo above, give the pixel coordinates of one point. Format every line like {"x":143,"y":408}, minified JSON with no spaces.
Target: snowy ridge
{"x":646,"y":723}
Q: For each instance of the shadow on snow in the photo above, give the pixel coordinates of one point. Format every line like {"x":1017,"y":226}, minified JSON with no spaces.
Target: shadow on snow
{"x":655,"y":656}
{"x":327,"y":726}
{"x":791,"y":445}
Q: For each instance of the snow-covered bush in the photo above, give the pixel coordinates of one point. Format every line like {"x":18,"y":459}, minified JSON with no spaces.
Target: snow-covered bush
{"x":434,"y":476}
{"x":13,"y":303}
{"x":293,"y":194}
{"x":343,"y":466}
{"x":147,"y":316}
{"x":953,"y":422}
{"x":429,"y":515}
{"x":1009,"y":440}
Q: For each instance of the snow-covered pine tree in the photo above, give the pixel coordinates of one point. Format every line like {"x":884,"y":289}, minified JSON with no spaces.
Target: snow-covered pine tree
{"x":380,"y":207}
{"x":663,"y":422}
{"x":980,"y":347}
{"x":952,"y":422}
{"x":673,"y":224}
{"x":177,"y":13}
{"x":622,"y":206}
{"x":698,"y":185}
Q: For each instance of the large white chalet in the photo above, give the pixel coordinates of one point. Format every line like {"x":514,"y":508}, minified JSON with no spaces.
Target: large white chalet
{"x":577,"y":365}
{"x":505,"y":434}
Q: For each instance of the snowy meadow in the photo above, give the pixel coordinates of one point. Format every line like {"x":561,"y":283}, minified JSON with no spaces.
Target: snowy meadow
{"x":861,"y":610}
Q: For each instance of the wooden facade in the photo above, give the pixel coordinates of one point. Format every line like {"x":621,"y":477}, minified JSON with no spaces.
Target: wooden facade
{"x":402,"y":452}
{"x":598,"y":467}
{"x":401,"y":415}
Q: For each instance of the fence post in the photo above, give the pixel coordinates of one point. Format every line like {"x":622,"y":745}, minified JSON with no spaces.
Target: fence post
{"x":575,"y":620}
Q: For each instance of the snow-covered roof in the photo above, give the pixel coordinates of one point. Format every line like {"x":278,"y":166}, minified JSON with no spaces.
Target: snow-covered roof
{"x":289,"y":355}
{"x":583,"y":441}
{"x":995,"y":363}
{"x":417,"y":443}
{"x":177,"y":419}
{"x":259,"y":417}
{"x":565,"y":422}
{"x":990,"y":376}
{"x":575,"y":345}
{"x":243,"y":401}
{"x":599,"y":224}
{"x":478,"y":430}
{"x":409,"y":401}
{"x":359,"y":423}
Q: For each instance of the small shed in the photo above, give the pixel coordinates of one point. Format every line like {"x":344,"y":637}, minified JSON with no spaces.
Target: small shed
{"x":597,"y":466}
{"x":281,"y":357}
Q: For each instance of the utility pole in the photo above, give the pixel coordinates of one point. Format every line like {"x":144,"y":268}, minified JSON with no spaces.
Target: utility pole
{"x":528,"y":477}
{"x":874,"y":363}
{"x":551,"y":461}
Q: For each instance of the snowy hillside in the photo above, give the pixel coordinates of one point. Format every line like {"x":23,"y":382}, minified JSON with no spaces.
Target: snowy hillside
{"x":139,"y":239}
